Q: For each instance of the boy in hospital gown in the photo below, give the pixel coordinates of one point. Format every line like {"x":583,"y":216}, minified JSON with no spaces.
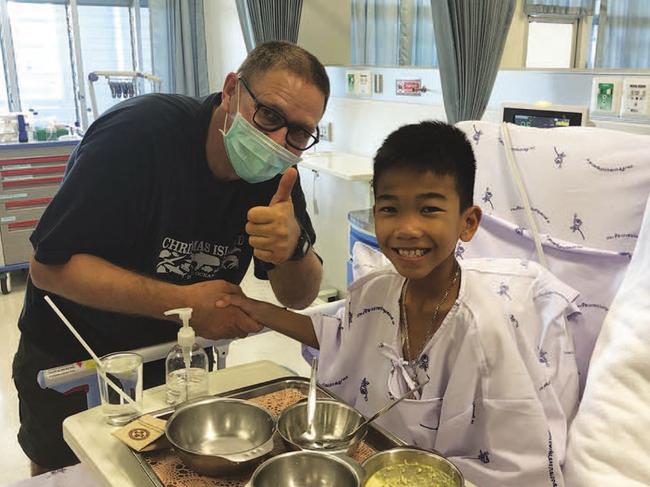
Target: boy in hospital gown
{"x":486,"y":338}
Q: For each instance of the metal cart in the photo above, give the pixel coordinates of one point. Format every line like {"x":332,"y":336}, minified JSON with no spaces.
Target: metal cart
{"x":30,"y":175}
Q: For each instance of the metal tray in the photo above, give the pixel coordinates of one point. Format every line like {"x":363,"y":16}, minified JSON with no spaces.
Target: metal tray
{"x":377,"y":438}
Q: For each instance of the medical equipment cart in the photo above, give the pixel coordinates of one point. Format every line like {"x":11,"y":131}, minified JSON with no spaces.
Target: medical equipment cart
{"x":30,"y":175}
{"x":123,"y":84}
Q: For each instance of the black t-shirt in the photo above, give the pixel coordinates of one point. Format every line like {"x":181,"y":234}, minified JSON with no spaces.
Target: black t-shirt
{"x":139,"y":194}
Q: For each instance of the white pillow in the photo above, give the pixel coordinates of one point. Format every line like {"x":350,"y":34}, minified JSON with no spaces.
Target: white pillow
{"x":366,"y":259}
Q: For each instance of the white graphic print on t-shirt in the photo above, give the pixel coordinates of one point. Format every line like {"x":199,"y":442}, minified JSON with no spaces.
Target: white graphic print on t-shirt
{"x":197,"y":258}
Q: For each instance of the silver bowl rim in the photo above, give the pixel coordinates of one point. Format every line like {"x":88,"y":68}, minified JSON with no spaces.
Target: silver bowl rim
{"x":429,"y":453}
{"x":321,"y":400}
{"x":209,"y":400}
{"x":309,"y":453}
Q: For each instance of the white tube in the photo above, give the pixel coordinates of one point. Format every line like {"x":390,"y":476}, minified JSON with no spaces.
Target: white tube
{"x":516,"y":175}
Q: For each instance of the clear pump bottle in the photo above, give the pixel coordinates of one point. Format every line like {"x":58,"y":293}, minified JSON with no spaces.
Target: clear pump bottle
{"x":186,"y":366}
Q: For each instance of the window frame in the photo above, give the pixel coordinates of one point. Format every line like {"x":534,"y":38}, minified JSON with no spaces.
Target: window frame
{"x":9,"y":65}
{"x":574,"y":21}
{"x":79,"y":76}
{"x":601,"y":21}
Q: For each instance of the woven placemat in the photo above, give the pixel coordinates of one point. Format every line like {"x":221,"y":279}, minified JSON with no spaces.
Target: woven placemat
{"x":172,"y":472}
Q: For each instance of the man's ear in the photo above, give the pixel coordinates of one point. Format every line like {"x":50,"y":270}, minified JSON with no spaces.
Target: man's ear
{"x":229,"y":91}
{"x":471,"y":220}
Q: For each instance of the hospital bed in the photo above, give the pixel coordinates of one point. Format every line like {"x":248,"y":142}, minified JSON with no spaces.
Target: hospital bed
{"x":577,"y":200}
{"x":571,"y":198}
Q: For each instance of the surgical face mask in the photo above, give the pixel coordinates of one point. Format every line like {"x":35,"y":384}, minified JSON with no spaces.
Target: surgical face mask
{"x":253,"y":155}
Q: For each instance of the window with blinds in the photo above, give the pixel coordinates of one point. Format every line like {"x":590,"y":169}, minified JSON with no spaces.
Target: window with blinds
{"x":49,"y":37}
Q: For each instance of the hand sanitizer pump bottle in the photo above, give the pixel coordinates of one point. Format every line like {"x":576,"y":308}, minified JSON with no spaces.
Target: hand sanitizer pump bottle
{"x":186,"y":366}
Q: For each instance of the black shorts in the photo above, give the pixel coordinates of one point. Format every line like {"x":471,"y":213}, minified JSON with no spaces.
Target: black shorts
{"x":42,"y":411}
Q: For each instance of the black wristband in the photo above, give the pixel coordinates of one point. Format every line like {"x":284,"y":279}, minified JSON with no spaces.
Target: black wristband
{"x":303,"y":245}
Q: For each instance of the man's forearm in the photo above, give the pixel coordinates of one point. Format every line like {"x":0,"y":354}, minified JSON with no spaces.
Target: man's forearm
{"x":296,"y":283}
{"x":95,"y":282}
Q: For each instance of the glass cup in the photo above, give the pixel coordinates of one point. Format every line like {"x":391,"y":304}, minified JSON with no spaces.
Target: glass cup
{"x":125,"y":371}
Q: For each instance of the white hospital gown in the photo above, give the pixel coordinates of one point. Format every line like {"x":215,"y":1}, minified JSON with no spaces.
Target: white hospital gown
{"x":503,"y":379}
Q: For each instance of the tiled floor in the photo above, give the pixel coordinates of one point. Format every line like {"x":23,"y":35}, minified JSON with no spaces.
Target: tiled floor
{"x":14,"y":465}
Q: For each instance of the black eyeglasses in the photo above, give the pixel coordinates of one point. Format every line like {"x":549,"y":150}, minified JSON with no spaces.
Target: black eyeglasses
{"x":270,"y":120}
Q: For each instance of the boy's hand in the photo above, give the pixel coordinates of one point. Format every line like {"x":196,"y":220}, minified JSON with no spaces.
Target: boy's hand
{"x":214,"y":322}
{"x":238,"y":300}
{"x":294,"y":325}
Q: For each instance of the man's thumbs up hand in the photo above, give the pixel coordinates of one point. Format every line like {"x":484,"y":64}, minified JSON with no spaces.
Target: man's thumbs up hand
{"x":285,"y":187}
{"x":273,"y":230}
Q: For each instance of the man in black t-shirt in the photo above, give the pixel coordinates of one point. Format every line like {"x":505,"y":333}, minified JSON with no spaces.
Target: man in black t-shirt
{"x":166,"y":201}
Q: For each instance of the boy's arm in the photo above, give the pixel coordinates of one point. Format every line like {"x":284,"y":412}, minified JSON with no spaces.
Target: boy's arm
{"x":294,"y":325}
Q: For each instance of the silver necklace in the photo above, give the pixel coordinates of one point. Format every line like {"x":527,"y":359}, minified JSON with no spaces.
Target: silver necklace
{"x":404,"y":327}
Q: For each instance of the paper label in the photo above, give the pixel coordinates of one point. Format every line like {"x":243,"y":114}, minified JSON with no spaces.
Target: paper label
{"x":19,"y":178}
{"x":12,"y":196}
{"x":141,"y":432}
{"x":408,"y":87}
{"x":18,"y":166}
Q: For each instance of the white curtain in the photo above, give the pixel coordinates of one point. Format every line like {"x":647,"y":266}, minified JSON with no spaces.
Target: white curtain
{"x":392,"y":32}
{"x":246,"y":26}
{"x":626,"y":35}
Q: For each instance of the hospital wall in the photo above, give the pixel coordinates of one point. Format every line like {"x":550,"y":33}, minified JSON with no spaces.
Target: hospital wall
{"x":359,"y":124}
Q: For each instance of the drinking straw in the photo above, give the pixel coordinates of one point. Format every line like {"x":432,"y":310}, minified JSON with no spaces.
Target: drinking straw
{"x":98,"y":362}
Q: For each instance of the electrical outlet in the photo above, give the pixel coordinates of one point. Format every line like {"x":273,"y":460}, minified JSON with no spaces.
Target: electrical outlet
{"x":325,"y":130}
{"x":365,"y":83}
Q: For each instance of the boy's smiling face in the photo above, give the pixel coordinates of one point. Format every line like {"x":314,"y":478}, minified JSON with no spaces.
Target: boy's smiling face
{"x":418,"y":220}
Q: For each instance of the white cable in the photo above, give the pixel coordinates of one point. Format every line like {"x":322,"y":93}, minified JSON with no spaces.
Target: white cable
{"x":313,"y":192}
{"x":516,"y":175}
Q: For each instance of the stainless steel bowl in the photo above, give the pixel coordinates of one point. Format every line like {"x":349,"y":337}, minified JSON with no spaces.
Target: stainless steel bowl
{"x":305,"y":469}
{"x":214,"y":435}
{"x":332,"y":421}
{"x":401,"y":455}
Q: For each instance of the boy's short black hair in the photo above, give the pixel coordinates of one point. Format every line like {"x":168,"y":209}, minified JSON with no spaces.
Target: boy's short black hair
{"x":430,"y":146}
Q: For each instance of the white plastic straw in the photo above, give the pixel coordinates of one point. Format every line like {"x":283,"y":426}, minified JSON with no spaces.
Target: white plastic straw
{"x":98,"y":362}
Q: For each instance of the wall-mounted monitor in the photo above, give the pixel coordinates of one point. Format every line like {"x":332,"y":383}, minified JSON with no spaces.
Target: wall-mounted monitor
{"x":543,"y":116}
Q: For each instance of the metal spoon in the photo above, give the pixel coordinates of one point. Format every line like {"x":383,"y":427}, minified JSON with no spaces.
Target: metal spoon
{"x":381,"y":412}
{"x":310,"y":434}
